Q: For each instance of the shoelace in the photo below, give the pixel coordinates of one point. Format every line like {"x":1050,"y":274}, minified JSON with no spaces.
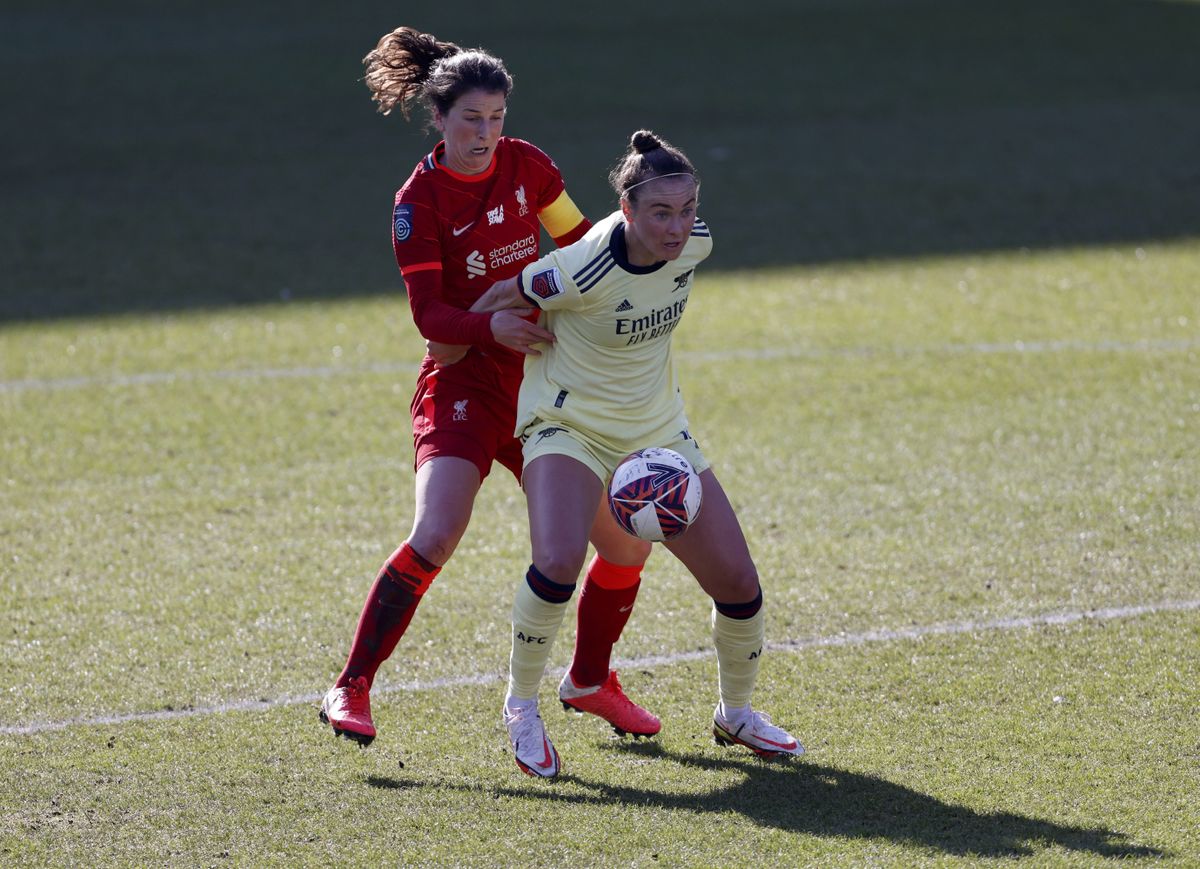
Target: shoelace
{"x":749,"y":724}
{"x":760,"y":723}
{"x":524,"y":725}
{"x":618,"y":694}
{"x":357,"y":695}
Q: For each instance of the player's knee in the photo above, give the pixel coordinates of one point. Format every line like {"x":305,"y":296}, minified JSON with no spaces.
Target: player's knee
{"x":435,"y":544}
{"x":738,"y":585}
{"x":625,"y":549}
{"x":560,"y":565}
{"x":747,"y":584}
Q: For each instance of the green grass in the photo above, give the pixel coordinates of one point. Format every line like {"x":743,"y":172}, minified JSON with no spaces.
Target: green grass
{"x":216,"y":153}
{"x":897,"y":459}
{"x":989,"y":747}
{"x":944,"y":360}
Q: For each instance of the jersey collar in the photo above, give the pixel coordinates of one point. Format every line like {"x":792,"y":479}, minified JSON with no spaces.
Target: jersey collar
{"x":620,"y":252}
{"x":438,"y":154}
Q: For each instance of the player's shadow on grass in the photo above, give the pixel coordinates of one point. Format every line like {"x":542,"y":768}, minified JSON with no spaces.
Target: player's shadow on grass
{"x":807,"y":797}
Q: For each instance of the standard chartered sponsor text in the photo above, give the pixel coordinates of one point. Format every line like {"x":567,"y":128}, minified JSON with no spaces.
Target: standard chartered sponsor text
{"x":510,"y":253}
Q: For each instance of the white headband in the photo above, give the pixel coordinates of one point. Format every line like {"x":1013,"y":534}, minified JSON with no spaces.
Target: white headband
{"x":655,"y":178}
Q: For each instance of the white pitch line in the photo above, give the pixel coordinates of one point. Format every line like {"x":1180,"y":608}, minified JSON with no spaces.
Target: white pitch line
{"x":478,"y":679}
{"x":1015,"y":348}
{"x":1018,"y":347}
{"x":152,"y":378}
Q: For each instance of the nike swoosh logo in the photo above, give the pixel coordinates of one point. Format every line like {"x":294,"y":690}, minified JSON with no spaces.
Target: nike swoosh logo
{"x":625,"y":609}
{"x":458,"y":232}
{"x":549,"y":761}
{"x":787,"y":745}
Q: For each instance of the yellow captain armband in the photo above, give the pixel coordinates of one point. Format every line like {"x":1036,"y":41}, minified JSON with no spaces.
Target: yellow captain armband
{"x":560,"y":216}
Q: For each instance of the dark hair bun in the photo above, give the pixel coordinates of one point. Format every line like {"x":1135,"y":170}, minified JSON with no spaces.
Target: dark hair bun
{"x":643,"y":141}
{"x":648,"y":156}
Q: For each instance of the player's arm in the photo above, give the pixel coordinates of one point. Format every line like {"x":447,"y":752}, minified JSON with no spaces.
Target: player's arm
{"x":418,"y":252}
{"x":511,"y":322}
{"x":438,"y":320}
{"x":564,"y":221}
{"x":501,"y":296}
{"x":445,"y":354}
{"x":449,"y":332}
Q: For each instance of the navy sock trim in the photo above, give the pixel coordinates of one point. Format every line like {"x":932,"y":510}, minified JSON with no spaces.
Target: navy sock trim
{"x":546,"y":588}
{"x":740,"y":610}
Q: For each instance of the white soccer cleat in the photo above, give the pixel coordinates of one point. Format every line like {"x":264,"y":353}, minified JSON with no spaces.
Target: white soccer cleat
{"x":755,"y":731}
{"x":532,"y":750}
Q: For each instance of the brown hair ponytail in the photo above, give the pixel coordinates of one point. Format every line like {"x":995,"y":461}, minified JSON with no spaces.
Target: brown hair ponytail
{"x":407,"y":64}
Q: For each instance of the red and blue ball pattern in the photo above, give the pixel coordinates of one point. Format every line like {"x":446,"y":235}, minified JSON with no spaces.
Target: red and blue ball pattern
{"x":655,"y":494}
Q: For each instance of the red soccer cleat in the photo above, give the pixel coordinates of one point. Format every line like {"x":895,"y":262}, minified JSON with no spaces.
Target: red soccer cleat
{"x":608,"y":701}
{"x":348,"y":711}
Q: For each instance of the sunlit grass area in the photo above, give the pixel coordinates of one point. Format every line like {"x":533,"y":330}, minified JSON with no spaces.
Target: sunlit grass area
{"x":196,"y":503}
{"x":944,"y":359}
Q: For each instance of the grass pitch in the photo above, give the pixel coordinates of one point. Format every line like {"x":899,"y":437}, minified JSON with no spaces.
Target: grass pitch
{"x":945,"y":361}
{"x":193,"y":528}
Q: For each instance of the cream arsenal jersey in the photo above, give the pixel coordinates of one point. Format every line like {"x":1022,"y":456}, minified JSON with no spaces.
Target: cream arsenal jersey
{"x":610,"y":369}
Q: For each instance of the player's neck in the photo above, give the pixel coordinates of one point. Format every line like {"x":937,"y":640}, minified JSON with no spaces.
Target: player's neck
{"x":636,"y":252}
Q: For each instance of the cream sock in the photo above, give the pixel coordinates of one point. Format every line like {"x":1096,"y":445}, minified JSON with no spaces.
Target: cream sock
{"x":739,"y":645}
{"x":536,"y":621}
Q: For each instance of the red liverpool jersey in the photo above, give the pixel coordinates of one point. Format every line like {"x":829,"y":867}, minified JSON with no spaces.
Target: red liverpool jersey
{"x":471,"y":230}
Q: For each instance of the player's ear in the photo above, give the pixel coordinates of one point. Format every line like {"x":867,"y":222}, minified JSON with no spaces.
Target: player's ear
{"x":439,"y":121}
{"x":627,"y":209}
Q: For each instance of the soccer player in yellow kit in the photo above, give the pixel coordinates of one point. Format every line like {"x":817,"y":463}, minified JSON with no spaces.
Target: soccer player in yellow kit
{"x":606,"y":386}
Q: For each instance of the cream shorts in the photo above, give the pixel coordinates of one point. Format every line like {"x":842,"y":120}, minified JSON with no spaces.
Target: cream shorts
{"x":544,"y":437}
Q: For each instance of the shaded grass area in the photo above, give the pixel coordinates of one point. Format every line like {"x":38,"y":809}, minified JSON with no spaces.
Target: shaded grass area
{"x":194,"y":503}
{"x":1072,"y":746}
{"x":214,"y":154}
{"x":893,"y":458}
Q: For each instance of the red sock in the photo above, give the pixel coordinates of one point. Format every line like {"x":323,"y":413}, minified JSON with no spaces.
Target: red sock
{"x":385,"y":616}
{"x":604,"y":607}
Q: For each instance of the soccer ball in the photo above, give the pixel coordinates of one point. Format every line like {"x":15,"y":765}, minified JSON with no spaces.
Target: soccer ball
{"x":655,"y":494}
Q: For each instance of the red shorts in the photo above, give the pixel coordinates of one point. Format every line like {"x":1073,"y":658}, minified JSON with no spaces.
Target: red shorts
{"x":468,"y":412}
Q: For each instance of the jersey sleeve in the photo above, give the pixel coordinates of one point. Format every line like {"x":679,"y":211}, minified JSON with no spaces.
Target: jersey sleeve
{"x":564,"y":221}
{"x":548,"y":283}
{"x":417,"y":246}
{"x":548,"y":180}
{"x":557,"y":212}
{"x":702,"y":237}
{"x":438,"y":321}
{"x":416,"y":236}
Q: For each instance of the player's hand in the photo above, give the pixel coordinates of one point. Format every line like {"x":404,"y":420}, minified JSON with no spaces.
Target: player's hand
{"x":500,"y":296}
{"x":445,"y":354}
{"x":511,"y":329}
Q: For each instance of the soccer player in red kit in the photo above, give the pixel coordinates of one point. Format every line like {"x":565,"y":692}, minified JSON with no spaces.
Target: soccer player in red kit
{"x":467,"y":217}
